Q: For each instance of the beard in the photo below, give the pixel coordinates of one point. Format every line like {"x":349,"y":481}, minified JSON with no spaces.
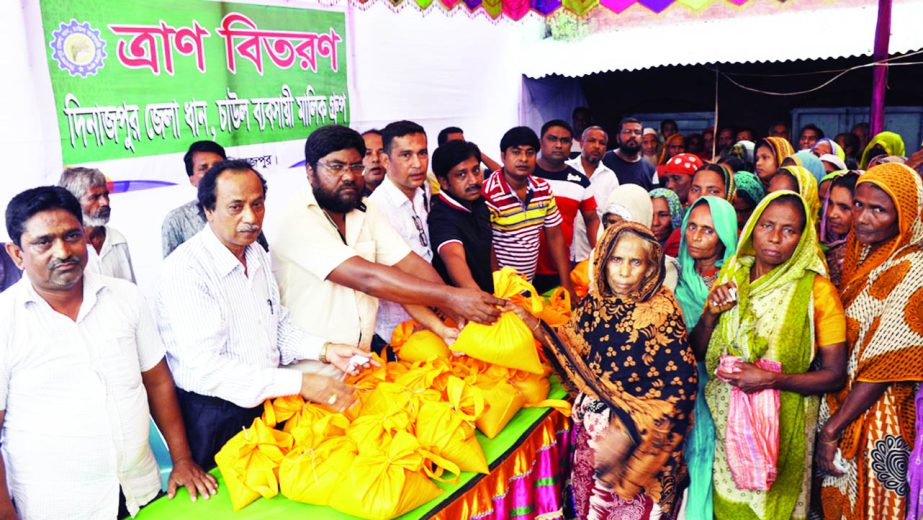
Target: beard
{"x":331,"y":201}
{"x":99,"y":220}
{"x":629,"y":149}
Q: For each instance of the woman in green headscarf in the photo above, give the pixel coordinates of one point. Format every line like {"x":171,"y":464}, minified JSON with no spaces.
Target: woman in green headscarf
{"x":885,"y":143}
{"x":709,"y":238}
{"x":750,"y":192}
{"x":772,"y":301}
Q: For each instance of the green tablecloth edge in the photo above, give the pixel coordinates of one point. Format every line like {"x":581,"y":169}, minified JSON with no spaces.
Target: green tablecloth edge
{"x":219,"y":506}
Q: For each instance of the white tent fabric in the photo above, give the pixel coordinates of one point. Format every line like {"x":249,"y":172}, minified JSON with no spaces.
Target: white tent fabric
{"x":759,"y":31}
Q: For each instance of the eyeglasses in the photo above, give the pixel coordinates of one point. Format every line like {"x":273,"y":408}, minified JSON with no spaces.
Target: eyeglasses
{"x":338,"y":167}
{"x":419,"y":223}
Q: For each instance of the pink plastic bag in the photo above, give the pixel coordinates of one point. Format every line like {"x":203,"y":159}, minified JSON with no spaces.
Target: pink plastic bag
{"x":752,"y":432}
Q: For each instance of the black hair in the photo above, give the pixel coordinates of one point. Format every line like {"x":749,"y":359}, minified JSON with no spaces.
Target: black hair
{"x":793,"y":200}
{"x":735,"y":163}
{"x":443,"y":136}
{"x":519,"y":136}
{"x":25,"y":205}
{"x":398,"y":129}
{"x":580,"y":110}
{"x":372,"y":131}
{"x":852,"y":141}
{"x":630,"y":119}
{"x":671,"y":121}
{"x":812,"y":126}
{"x":745,"y":129}
{"x":848,"y":180}
{"x":202,"y":146}
{"x":451,"y":154}
{"x":329,"y":139}
{"x":560,"y":123}
{"x":787,"y":173}
{"x":208,"y":193}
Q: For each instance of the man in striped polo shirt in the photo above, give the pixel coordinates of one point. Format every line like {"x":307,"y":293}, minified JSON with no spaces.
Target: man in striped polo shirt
{"x":521,"y":206}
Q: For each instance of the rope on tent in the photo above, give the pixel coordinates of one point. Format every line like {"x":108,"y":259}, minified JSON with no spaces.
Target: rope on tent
{"x":840,"y":73}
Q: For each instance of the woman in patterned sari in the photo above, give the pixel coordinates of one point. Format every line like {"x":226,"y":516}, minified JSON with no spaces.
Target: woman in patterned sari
{"x":777,"y":306}
{"x":626,"y":355}
{"x":871,"y":421}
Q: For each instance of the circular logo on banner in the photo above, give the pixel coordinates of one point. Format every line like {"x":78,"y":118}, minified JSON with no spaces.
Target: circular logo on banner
{"x":78,"y":48}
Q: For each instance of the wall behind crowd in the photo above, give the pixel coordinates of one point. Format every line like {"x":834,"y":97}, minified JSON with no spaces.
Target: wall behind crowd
{"x":437,"y":68}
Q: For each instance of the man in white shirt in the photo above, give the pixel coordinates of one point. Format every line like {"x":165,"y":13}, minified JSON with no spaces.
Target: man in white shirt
{"x":227,"y":335}
{"x":335,"y":256}
{"x":593,"y":144}
{"x":109,"y":253}
{"x":404,"y":198}
{"x":81,"y":372}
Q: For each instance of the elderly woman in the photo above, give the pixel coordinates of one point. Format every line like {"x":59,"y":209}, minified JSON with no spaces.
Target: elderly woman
{"x":673,"y":145}
{"x":709,"y":240}
{"x":769,"y":154}
{"x":885,"y":143}
{"x":871,"y":421}
{"x":626,"y":354}
{"x":779,"y":307}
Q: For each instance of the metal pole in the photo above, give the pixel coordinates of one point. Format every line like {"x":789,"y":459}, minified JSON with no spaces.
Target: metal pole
{"x":880,"y":72}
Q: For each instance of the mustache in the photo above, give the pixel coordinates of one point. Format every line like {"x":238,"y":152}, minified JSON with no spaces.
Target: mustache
{"x":473,"y":188}
{"x":57,"y":262}
{"x":247,"y":228}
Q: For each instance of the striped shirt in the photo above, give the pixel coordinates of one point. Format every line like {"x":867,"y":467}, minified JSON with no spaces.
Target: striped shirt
{"x":572,"y":194}
{"x":517,"y":224}
{"x":225,"y":330}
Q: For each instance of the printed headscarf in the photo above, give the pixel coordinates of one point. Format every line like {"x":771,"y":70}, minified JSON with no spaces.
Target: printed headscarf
{"x":780,"y":147}
{"x":807,"y":188}
{"x":892,"y":144}
{"x":673,"y":203}
{"x":748,"y":183}
{"x":744,"y":150}
{"x":682,"y":164}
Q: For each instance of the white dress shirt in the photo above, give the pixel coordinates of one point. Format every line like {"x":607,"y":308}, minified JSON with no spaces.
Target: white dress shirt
{"x":77,"y":417}
{"x":225,"y":330}
{"x":404,"y":215}
{"x":308,"y":248}
{"x":602,"y":183}
{"x":113,"y":258}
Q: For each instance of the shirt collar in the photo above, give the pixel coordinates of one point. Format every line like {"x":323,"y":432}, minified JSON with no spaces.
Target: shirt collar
{"x":452,"y":202}
{"x":577,"y":164}
{"x":224,"y":260}
{"x":93,"y":284}
{"x":398,"y":198}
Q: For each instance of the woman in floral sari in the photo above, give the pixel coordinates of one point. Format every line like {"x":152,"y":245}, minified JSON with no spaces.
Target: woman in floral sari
{"x":871,"y":421}
{"x":626,"y":355}
{"x":779,"y":307}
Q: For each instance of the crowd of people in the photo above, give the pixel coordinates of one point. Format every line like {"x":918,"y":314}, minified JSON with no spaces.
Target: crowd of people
{"x":718,"y":263}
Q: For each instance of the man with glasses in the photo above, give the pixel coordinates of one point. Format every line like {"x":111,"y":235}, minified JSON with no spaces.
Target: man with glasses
{"x":626,"y":160}
{"x":336,"y":256}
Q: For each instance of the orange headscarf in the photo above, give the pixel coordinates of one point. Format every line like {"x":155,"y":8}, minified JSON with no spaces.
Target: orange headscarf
{"x":673,"y":139}
{"x":780,"y":147}
{"x":901,"y":184}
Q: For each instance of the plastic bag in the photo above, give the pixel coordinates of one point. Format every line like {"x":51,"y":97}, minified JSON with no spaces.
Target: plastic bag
{"x":386,"y":481}
{"x":752,"y":432}
{"x":424,"y":345}
{"x":580,"y":277}
{"x":557,"y":310}
{"x":508,"y":342}
{"x":281,"y":409}
{"x":503,"y":401}
{"x":313,"y":467}
{"x":440,"y":430}
{"x":249,"y":463}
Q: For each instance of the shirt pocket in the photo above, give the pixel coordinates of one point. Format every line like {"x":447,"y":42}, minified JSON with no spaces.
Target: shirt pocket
{"x":118,"y":363}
